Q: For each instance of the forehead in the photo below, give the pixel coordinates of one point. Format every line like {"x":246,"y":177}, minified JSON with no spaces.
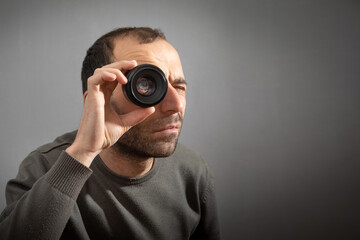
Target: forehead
{"x":159,"y":53}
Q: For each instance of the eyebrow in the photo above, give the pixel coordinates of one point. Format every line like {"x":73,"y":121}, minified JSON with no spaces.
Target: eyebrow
{"x":179,"y":81}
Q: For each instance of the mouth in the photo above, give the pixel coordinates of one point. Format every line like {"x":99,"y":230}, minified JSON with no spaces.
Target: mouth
{"x":169,"y":129}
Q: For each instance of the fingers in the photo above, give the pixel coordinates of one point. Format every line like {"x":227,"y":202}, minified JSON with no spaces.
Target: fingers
{"x":122,"y":65}
{"x":110,"y":73}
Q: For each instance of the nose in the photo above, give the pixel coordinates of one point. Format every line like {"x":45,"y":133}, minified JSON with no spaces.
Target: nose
{"x":173,"y":101}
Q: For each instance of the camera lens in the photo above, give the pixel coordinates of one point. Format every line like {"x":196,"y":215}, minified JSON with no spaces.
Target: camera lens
{"x":147,"y":85}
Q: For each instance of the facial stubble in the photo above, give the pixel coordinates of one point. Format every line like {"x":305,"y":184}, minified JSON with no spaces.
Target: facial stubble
{"x":140,"y":142}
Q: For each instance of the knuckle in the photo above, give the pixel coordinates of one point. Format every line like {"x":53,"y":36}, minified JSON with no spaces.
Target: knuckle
{"x":118,"y":72}
{"x":98,"y":70}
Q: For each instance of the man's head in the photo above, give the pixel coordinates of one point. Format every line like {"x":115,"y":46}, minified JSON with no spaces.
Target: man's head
{"x":157,"y":135}
{"x":101,"y":52}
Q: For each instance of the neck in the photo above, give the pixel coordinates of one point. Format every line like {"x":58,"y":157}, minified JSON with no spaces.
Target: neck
{"x":126,"y":165}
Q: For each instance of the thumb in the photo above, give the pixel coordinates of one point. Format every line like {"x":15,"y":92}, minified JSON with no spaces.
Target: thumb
{"x":132,"y":118}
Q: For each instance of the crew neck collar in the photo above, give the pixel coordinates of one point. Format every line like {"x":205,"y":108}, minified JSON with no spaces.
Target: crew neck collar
{"x":127,"y":180}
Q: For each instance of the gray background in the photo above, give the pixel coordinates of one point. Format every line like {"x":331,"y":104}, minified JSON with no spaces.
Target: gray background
{"x":273,"y":100}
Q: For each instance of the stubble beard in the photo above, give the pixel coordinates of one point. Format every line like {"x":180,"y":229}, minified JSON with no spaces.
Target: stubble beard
{"x":140,"y":143}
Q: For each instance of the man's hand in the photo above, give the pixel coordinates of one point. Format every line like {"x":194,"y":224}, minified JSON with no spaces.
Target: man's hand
{"x":100,"y":125}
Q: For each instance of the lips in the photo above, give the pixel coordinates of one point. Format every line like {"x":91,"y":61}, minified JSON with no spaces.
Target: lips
{"x":169,"y":128}
{"x":167,"y":125}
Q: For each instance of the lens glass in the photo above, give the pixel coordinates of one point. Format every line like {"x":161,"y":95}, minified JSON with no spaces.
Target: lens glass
{"x":145,"y":86}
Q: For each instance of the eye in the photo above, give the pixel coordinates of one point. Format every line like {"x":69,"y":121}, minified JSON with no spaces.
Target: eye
{"x":180,"y":88}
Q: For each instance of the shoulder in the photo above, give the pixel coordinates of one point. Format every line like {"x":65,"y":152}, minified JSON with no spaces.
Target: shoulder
{"x":186,"y":157}
{"x":190,"y":163}
{"x":189,"y":166}
{"x":53,"y":149}
{"x":41,"y":159}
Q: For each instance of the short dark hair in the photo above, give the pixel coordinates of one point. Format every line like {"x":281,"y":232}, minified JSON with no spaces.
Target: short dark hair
{"x":101,"y":52}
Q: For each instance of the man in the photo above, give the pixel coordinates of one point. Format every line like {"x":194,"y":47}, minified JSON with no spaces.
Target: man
{"x":120,"y":175}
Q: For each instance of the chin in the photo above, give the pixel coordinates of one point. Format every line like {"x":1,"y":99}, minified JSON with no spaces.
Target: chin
{"x":160,"y":149}
{"x":153,"y":148}
{"x":166,"y":150}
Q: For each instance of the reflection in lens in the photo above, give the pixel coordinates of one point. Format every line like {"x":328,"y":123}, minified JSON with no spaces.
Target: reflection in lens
{"x":145,"y":86}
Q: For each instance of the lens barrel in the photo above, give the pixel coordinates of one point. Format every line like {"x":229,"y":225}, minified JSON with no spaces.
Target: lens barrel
{"x":147,"y":85}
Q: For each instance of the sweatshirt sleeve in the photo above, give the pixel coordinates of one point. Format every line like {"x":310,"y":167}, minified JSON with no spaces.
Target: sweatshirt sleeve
{"x":39,"y":208}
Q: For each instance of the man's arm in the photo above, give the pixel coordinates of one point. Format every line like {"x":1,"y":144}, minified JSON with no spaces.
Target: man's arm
{"x":41,"y":209}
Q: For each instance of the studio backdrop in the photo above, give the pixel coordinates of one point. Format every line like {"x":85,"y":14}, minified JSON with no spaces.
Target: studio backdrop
{"x":273,"y":101}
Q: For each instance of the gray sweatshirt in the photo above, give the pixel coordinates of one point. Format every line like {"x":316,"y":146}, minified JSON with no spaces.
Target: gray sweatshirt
{"x":55,"y":197}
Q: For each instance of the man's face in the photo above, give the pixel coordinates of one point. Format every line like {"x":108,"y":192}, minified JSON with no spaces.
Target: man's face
{"x":157,"y":135}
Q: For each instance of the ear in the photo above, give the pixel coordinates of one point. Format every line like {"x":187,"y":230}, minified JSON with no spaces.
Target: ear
{"x":85,"y":95}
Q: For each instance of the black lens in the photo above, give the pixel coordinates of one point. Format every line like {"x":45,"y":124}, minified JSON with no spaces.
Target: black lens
{"x":147,"y":85}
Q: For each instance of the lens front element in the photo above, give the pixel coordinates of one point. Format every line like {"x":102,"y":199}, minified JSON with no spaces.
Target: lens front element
{"x":145,"y":86}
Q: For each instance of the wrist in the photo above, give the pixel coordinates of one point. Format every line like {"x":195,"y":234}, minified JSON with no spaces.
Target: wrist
{"x":81,"y":155}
